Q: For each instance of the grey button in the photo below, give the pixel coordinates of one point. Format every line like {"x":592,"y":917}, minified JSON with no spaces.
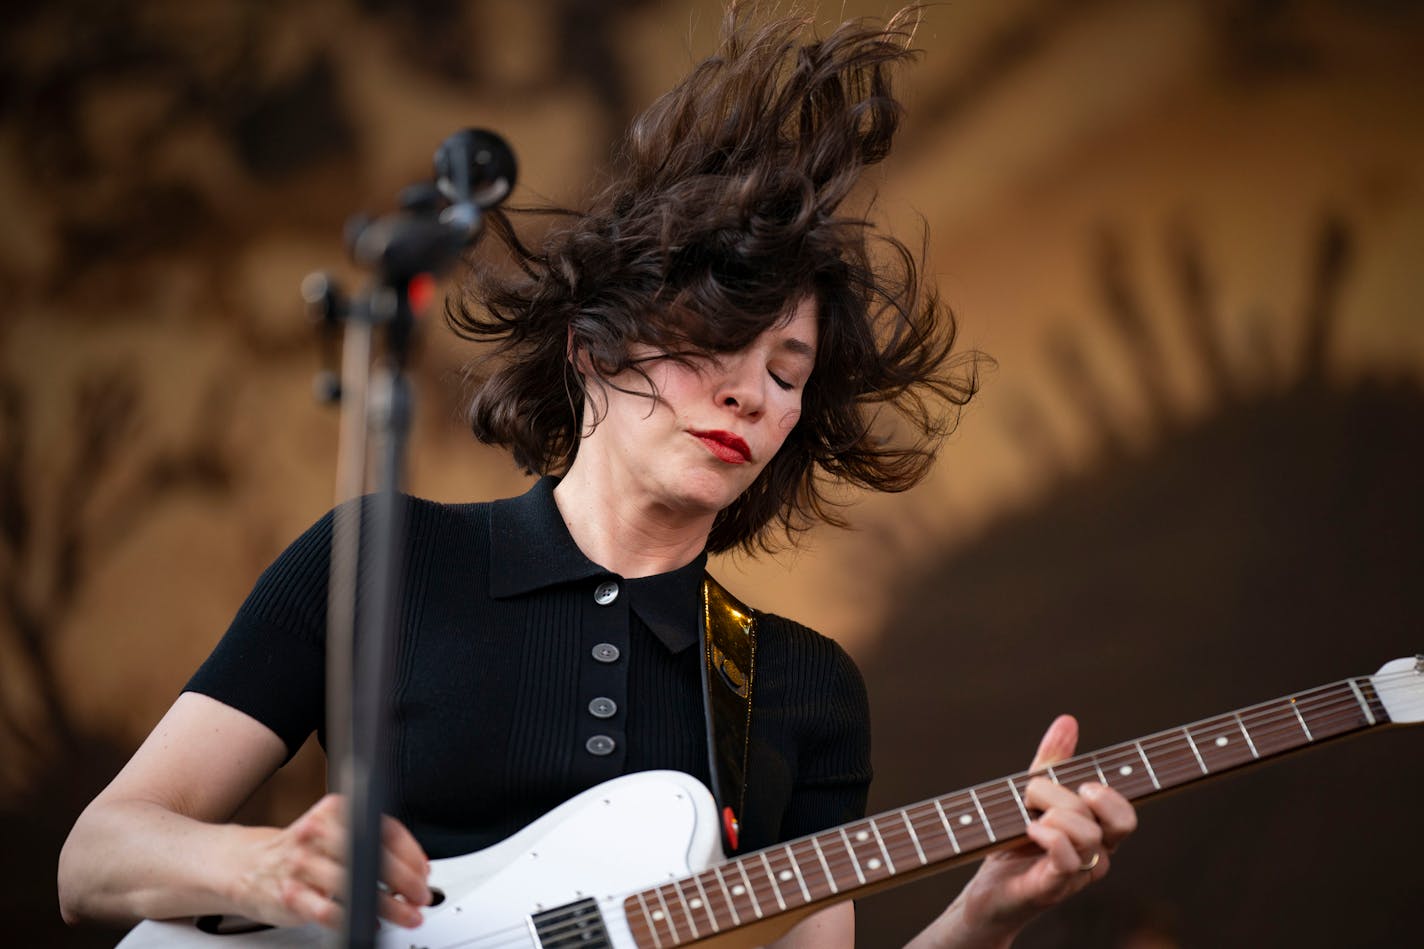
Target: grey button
{"x":600,"y":745}
{"x":605,"y":652}
{"x":605,"y":593}
{"x":602,"y":707}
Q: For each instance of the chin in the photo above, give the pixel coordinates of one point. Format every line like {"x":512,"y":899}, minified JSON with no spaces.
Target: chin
{"x":705,"y":493}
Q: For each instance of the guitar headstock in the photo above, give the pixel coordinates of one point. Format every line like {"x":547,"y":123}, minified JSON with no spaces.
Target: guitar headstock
{"x":1400,"y":686}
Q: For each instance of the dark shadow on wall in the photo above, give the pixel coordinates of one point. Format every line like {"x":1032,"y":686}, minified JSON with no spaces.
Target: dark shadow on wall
{"x":1270,"y":546}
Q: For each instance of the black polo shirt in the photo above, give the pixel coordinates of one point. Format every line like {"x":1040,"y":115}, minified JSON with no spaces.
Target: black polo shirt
{"x":525,"y":673}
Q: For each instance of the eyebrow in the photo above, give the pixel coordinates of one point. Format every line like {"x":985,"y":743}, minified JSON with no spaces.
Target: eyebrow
{"x":799,"y":347}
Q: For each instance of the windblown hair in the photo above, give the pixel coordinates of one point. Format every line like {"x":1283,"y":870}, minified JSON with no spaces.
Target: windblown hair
{"x":723,"y":215}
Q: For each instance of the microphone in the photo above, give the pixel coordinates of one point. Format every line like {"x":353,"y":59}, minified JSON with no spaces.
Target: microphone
{"x":474,"y":170}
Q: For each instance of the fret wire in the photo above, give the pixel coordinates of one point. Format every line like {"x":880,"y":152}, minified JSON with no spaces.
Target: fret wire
{"x":1325,"y":705}
{"x":796,"y":869}
{"x":806,"y":859}
{"x":1019,"y":801}
{"x":854,"y":860}
{"x":944,"y":819}
{"x":1192,"y":742}
{"x":988,"y":828}
{"x":821,"y":856}
{"x":667,"y":917}
{"x":686,"y":908}
{"x":889,"y":864}
{"x":914,"y":838}
{"x":1051,"y":776}
{"x":771,"y":877}
{"x":1269,"y":729}
{"x":1160,"y":742}
{"x":727,"y":895}
{"x":652,"y":927}
{"x":1249,"y":743}
{"x":751,"y":890}
{"x":706,"y":904}
{"x":901,"y":844}
{"x":1000,"y":810}
{"x":935,"y":846}
{"x":1301,"y":718}
{"x":1150,"y":773}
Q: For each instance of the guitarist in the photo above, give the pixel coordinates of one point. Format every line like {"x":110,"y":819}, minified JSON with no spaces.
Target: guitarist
{"x":694,"y":362}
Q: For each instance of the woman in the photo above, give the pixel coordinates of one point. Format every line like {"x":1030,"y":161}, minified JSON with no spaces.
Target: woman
{"x":698,"y":357}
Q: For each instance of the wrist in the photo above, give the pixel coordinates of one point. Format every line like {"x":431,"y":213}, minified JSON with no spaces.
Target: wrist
{"x":235,"y":881}
{"x":964,"y":926}
{"x":979,"y":922}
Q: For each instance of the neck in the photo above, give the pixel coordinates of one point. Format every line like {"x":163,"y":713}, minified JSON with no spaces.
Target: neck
{"x":630,"y":535}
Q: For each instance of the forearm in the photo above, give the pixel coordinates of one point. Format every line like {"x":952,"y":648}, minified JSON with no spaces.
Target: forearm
{"x":130,"y":860}
{"x":953,"y":929}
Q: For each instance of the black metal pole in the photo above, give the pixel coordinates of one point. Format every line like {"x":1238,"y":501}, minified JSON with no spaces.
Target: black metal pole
{"x":474,"y":169}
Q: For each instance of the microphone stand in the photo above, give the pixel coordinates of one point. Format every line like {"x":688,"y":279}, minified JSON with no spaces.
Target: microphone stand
{"x":404,"y":251}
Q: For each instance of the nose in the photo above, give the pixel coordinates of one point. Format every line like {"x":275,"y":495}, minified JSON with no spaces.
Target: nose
{"x":740,"y":387}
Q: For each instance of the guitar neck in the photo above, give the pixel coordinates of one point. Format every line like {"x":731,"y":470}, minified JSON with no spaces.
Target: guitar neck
{"x":964,"y":825}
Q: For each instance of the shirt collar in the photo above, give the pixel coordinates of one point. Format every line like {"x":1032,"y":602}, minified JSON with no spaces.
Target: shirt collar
{"x":530,"y":548}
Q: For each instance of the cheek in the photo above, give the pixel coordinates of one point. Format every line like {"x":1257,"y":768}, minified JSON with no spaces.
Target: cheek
{"x":787,"y":422}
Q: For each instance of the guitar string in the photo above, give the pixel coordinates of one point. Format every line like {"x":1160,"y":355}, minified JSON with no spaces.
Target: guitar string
{"x":673,"y":926}
{"x":1265,"y":727}
{"x":1270,"y":719}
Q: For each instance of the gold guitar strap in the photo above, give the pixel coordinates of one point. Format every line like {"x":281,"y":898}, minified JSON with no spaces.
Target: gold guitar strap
{"x":729,"y":631}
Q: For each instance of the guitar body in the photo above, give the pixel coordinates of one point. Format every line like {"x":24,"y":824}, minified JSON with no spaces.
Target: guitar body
{"x":633,"y":832}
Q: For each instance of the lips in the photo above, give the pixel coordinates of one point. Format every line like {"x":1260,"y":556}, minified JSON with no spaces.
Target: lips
{"x":728,"y":447}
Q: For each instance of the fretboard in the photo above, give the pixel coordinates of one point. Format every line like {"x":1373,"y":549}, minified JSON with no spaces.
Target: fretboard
{"x":964,"y":825}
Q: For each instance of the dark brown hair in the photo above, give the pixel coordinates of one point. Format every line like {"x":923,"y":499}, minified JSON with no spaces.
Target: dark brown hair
{"x":723,"y":213}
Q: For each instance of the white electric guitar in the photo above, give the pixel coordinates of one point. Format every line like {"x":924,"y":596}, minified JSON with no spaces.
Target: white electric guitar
{"x":636,"y":863}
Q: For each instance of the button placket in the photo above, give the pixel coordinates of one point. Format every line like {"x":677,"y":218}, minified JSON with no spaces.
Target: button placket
{"x":603,"y":681}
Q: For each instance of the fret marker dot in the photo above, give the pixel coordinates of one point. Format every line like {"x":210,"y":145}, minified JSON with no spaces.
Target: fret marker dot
{"x":861,"y":836}
{"x":695,"y":903}
{"x":739,"y":890}
{"x":873,"y":863}
{"x":657,"y":915}
{"x":965,"y":820}
{"x":1125,"y":770}
{"x":784,"y":876}
{"x":1221,"y":742}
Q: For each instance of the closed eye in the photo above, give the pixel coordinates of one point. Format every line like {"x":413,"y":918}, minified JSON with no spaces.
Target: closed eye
{"x":782,"y":383}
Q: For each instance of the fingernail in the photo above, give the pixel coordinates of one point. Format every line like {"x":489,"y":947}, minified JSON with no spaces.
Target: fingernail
{"x":1090,"y":790}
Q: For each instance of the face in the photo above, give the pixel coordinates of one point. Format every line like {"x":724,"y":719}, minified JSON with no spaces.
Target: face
{"x":715,"y":425}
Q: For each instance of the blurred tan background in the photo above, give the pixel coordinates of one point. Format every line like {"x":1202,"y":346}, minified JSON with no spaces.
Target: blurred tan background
{"x":1188,"y":230}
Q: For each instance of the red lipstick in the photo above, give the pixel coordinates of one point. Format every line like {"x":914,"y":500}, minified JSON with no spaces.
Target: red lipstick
{"x":726,"y":446}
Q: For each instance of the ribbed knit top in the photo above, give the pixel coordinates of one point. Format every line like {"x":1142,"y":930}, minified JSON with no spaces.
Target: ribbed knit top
{"x":525,"y":673}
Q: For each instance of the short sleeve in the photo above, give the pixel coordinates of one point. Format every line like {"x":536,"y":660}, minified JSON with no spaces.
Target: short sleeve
{"x":826,"y":696}
{"x":271,"y":663}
